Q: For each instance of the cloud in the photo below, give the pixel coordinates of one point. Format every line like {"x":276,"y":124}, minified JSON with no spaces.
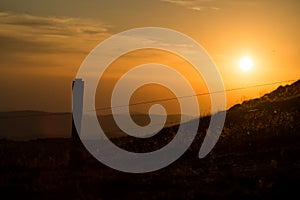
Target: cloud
{"x":53,"y":25}
{"x":196,"y":5}
{"x":24,"y":36}
{"x":212,"y":5}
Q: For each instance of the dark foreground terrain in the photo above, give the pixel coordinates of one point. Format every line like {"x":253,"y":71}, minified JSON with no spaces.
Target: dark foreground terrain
{"x":257,"y":156}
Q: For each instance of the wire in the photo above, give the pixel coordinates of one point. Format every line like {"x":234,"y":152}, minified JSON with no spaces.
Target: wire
{"x":147,"y":102}
{"x":189,"y":96}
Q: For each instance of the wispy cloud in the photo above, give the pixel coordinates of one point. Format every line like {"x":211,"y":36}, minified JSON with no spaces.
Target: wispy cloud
{"x":54,"y":26}
{"x":196,"y":5}
{"x":39,"y":42}
{"x":212,"y":5}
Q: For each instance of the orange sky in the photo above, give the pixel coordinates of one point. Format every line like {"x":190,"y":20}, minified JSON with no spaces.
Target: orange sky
{"x":43,"y":43}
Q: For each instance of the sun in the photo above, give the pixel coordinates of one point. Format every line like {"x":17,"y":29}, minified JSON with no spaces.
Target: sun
{"x":246,"y":63}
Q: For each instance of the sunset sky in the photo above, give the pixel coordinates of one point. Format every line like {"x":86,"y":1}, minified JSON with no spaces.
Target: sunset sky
{"x":43,"y":43}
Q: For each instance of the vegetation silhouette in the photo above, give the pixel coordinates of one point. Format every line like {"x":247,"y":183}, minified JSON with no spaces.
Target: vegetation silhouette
{"x":257,"y":156}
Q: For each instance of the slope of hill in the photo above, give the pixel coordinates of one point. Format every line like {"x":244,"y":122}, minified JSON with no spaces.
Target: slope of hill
{"x":273,"y":113}
{"x":257,"y":157}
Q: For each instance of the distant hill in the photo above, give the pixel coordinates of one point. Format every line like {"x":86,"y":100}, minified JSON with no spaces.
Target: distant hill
{"x":24,"y":125}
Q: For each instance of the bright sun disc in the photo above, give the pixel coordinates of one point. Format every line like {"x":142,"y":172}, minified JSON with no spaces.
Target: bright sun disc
{"x":246,"y":64}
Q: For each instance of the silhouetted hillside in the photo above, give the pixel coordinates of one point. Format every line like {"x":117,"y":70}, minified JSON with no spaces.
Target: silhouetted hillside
{"x":281,"y":94}
{"x":273,"y":113}
{"x":257,"y":157}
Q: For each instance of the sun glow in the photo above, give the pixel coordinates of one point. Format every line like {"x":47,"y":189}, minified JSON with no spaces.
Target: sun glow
{"x":246,"y":63}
